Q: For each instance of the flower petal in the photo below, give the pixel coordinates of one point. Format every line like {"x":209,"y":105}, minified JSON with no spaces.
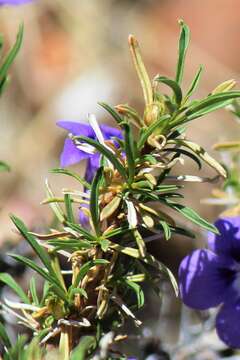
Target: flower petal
{"x":204,"y":279}
{"x":71,"y":154}
{"x":228,"y":242}
{"x":13,"y":2}
{"x":109,"y":132}
{"x":83,"y":218}
{"x":227,"y":324}
{"x":77,"y":128}
{"x":92,"y":166}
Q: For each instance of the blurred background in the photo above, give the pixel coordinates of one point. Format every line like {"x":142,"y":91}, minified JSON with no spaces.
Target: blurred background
{"x":75,"y":53}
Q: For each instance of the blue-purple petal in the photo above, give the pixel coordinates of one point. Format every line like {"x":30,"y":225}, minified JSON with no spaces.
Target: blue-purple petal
{"x":77,"y":128}
{"x":227,"y":324}
{"x":83,"y":219}
{"x":109,"y":132}
{"x":204,"y":279}
{"x":92,"y":166}
{"x":228,"y":242}
{"x":71,"y":154}
{"x":14,"y":2}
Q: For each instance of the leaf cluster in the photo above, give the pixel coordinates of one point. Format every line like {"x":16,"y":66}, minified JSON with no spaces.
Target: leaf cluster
{"x":130,"y":202}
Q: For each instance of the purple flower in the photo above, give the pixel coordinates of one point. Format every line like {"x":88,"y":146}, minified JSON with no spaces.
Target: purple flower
{"x":209,"y":278}
{"x":13,"y":2}
{"x":71,"y":154}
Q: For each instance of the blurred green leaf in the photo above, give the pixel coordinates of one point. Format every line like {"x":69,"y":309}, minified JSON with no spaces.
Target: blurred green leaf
{"x":4,"y":166}
{"x":8,"y":280}
{"x":12,"y":54}
{"x":87,"y":343}
{"x":4,"y":337}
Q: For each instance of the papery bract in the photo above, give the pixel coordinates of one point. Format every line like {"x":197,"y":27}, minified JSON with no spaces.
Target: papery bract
{"x":211,"y":277}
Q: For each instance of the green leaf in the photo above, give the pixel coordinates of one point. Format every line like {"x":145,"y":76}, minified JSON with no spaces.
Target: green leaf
{"x":42,"y":254}
{"x":211,"y":103}
{"x":138,"y":291}
{"x":70,"y":244}
{"x":208,"y":109}
{"x":75,"y":291}
{"x":141,"y":70}
{"x":182,"y":231}
{"x":190,"y":214}
{"x":173,"y":85}
{"x":105,"y":152}
{"x":167,"y":188}
{"x":78,"y":228}
{"x":4,"y":166}
{"x":129,"y":149}
{"x":150,"y":260}
{"x":194,"y":84}
{"x":150,"y":129}
{"x":4,"y":337}
{"x":118,"y":231}
{"x":110,"y":208}
{"x":33,"y":350}
{"x":112,"y":112}
{"x":72,"y":174}
{"x":140,"y":243}
{"x":125,"y":250}
{"x":87,"y":344}
{"x":203,"y":155}
{"x":8,"y":280}
{"x":51,"y":279}
{"x":12,"y":54}
{"x":68,"y":205}
{"x":33,"y":291}
{"x":86,"y":267}
{"x":54,"y":205}
{"x":94,"y":200}
{"x":182,"y":50}
{"x":3,"y":84}
{"x":46,"y":287}
{"x":104,"y":243}
{"x":186,"y":153}
{"x":166,"y":229}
